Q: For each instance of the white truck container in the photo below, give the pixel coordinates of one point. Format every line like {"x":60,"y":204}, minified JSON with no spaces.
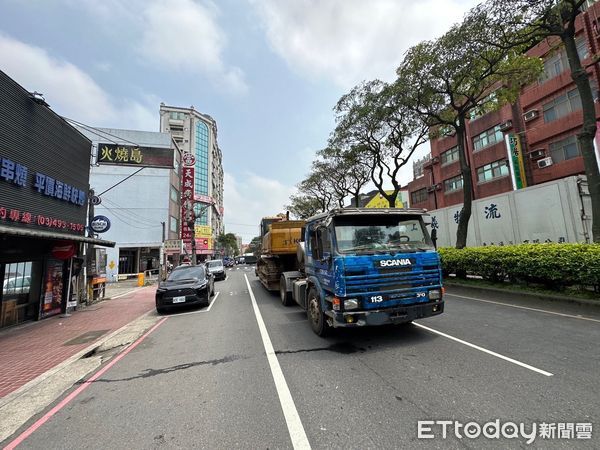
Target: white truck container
{"x":556,"y":211}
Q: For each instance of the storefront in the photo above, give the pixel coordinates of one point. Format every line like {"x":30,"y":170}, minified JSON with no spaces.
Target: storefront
{"x":44,"y":184}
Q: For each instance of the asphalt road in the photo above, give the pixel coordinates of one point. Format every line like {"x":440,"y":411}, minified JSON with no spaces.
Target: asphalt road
{"x":207,"y":379}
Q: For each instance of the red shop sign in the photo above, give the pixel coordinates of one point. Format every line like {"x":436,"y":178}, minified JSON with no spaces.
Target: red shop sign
{"x":63,"y":250}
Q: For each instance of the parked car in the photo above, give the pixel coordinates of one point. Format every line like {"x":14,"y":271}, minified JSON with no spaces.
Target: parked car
{"x":185,"y":285}
{"x":217,"y":268}
{"x":228,"y":262}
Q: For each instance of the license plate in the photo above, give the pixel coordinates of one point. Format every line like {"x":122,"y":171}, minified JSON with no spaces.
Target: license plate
{"x":179,"y":299}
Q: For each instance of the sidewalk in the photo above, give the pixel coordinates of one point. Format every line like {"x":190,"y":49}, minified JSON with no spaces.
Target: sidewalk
{"x":31,"y":349}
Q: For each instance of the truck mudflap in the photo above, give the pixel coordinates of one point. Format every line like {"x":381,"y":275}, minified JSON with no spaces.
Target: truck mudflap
{"x":396,"y":315}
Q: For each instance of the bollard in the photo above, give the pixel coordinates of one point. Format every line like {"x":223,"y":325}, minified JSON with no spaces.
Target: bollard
{"x":140,"y":279}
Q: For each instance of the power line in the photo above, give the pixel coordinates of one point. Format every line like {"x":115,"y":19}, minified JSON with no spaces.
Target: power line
{"x":102,"y":133}
{"x":127,"y":211}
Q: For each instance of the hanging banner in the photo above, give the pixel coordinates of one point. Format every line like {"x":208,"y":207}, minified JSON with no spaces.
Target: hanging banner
{"x":187,"y":198}
{"x":515,"y":161}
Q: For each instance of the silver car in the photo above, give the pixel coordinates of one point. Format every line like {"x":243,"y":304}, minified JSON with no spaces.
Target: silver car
{"x":217,"y":268}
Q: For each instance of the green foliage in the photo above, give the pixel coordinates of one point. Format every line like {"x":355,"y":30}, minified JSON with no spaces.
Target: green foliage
{"x":553,"y":265}
{"x":302,"y":207}
{"x":228,"y":243}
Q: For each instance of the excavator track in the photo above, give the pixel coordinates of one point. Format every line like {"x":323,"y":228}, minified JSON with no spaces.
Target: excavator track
{"x":268,"y":269}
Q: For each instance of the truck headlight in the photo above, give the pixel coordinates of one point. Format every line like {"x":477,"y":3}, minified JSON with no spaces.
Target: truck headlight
{"x":350,"y":303}
{"x":435,"y":294}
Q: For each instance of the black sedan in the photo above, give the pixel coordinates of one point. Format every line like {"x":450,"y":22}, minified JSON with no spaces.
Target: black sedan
{"x":186,"y":285}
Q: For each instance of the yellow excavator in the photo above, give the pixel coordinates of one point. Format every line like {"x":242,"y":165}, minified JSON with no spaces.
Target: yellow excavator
{"x":280,"y":237}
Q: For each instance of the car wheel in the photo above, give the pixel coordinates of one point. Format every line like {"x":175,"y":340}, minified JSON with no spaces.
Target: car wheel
{"x":316,"y":317}
{"x":284,"y":295}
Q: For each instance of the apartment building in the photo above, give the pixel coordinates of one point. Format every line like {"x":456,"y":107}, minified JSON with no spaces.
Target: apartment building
{"x":543,"y":122}
{"x":196,"y":135}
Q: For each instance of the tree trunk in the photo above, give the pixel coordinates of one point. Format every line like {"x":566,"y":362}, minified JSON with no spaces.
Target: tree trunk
{"x":391,"y":198}
{"x":588,"y":130}
{"x":465,"y":215}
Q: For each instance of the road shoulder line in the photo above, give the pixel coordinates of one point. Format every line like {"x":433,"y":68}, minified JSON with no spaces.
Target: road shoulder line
{"x":485,"y":350}
{"x":524,"y":307}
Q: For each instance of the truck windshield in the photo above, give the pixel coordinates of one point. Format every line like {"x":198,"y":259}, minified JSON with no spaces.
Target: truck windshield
{"x":381,"y":234}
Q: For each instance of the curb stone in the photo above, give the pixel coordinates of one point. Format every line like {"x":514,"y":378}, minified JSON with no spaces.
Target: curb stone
{"x":531,"y":295}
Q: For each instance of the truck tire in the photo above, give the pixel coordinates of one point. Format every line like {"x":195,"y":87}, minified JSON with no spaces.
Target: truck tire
{"x":316,"y":317}
{"x":286,"y":297}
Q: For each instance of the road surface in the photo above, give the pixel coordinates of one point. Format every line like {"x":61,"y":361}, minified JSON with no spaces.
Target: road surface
{"x":249,"y":373}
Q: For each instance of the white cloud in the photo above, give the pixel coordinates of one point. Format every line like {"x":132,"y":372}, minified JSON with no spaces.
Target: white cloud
{"x":248,"y":199}
{"x":185,"y":35}
{"x":70,"y":91}
{"x":348,"y":41}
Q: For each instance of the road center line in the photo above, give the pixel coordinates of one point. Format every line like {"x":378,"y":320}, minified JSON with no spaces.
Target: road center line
{"x":485,"y":350}
{"x":525,"y":307}
{"x":292,"y":419}
{"x":64,"y":402}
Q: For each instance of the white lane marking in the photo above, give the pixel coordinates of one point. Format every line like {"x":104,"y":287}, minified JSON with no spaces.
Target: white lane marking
{"x":292,"y":419}
{"x":485,"y":350}
{"x":527,"y":308}
{"x":201,"y":311}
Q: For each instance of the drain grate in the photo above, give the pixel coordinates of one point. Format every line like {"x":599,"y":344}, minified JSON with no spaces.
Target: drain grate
{"x":86,"y":337}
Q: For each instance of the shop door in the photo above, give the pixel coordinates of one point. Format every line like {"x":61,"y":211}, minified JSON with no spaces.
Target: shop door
{"x":19,"y":301}
{"x":127,"y":259}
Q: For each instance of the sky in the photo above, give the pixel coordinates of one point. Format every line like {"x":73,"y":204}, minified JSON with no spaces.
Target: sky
{"x":268,"y":71}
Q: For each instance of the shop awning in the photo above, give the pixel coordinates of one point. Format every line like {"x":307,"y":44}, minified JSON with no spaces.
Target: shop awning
{"x":40,"y":234}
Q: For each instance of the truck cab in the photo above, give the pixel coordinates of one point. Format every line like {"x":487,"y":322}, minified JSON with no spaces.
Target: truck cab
{"x":368,"y":267}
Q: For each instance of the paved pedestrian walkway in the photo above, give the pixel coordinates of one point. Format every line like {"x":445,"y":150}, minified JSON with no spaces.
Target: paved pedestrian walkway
{"x":31,"y":349}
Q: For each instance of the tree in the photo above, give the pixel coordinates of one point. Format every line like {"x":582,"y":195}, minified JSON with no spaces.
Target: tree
{"x":255,"y":246}
{"x":317,"y":187}
{"x":302,"y":207}
{"x":376,"y":124}
{"x":512,"y":23}
{"x":228,"y":243}
{"x":454,"y":75}
{"x":347,"y":170}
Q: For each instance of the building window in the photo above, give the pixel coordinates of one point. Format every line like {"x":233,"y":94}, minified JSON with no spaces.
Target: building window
{"x":453,"y":184}
{"x":487,"y":138}
{"x":557,"y":63}
{"x":449,"y":156}
{"x":173,"y":224}
{"x":174,"y":194}
{"x":202,"y":167}
{"x":176,"y":115}
{"x":496,"y":169}
{"x":582,"y":47}
{"x":565,"y":149}
{"x":562,"y":105}
{"x":418,"y":196}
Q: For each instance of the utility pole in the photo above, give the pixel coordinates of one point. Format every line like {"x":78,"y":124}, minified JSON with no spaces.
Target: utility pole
{"x":191,"y":216}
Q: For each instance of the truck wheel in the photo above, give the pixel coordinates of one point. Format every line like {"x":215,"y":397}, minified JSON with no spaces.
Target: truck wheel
{"x":286,"y":297}
{"x":317,"y":319}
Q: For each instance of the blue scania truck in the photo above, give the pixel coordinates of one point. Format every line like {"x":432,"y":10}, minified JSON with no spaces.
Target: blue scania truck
{"x":365,"y":266}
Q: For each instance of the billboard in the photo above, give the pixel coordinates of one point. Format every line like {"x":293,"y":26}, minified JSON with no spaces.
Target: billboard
{"x":131,"y":155}
{"x":44,"y":166}
{"x":379,"y":201}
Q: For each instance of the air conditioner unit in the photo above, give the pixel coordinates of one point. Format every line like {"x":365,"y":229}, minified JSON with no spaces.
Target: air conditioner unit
{"x":537,"y":154}
{"x":544,"y":162}
{"x":530,"y":115}
{"x":506,"y":125}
